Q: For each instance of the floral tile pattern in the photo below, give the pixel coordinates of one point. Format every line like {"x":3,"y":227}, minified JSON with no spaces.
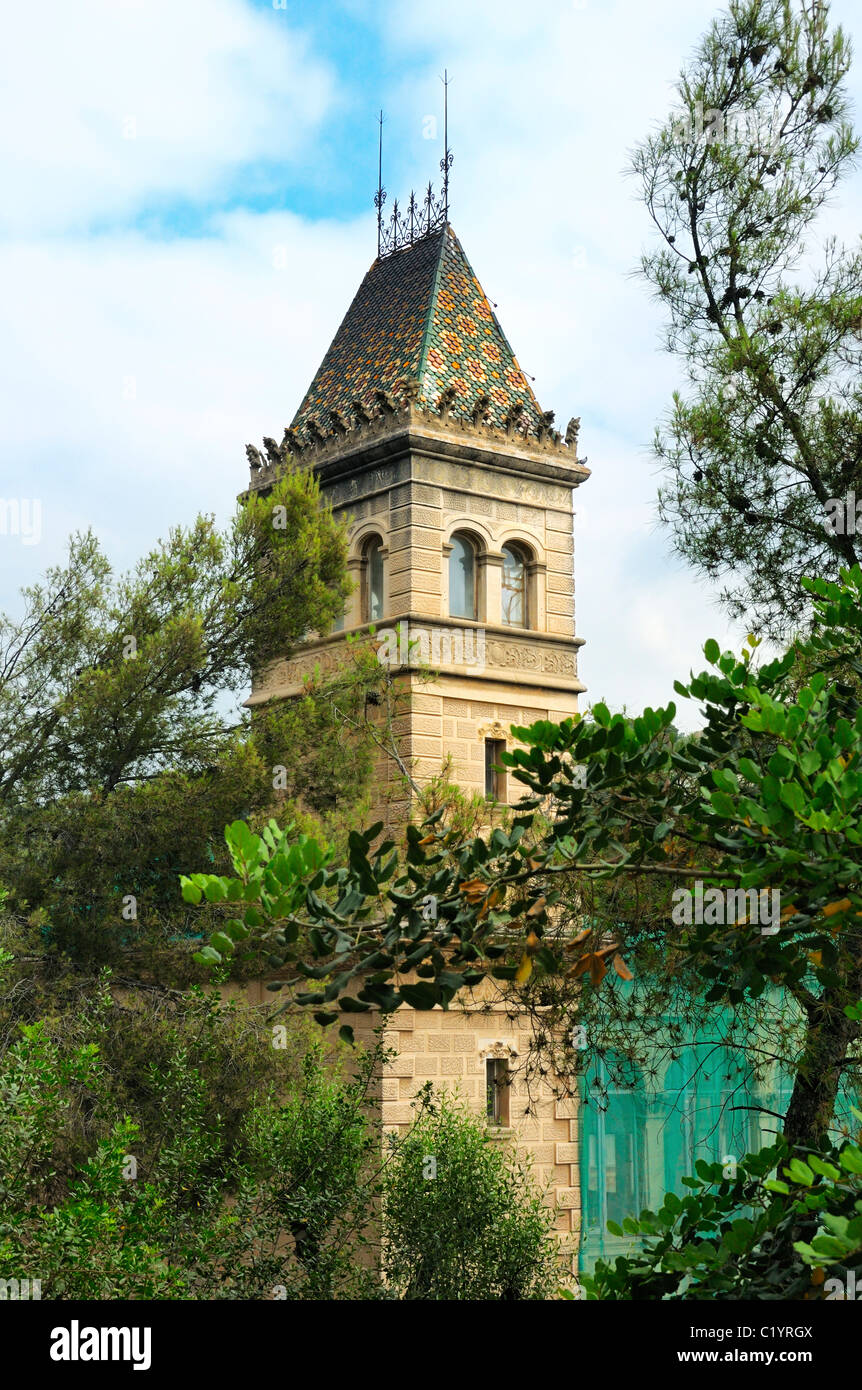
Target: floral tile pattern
{"x":419,"y":314}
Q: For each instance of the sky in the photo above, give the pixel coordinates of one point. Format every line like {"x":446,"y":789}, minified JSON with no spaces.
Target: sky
{"x":187,"y":213}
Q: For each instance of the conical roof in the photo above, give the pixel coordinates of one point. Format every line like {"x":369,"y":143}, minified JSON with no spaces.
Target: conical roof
{"x":421,"y":316}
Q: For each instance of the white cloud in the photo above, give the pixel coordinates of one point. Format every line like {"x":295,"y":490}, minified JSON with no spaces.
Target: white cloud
{"x":106,"y":104}
{"x":136,"y":371}
{"x":546,"y":102}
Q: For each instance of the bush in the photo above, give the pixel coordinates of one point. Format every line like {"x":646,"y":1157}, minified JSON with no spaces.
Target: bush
{"x":160,"y":1147}
{"x":461,"y":1216}
{"x":153,"y":1149}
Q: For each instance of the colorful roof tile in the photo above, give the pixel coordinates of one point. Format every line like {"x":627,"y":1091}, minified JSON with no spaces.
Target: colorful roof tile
{"x":419,"y":315}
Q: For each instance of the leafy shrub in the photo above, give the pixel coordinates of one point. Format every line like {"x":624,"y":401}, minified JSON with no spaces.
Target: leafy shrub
{"x":462,"y":1218}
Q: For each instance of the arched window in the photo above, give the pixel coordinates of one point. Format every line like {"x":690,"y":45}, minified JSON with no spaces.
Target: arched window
{"x":514,"y":588}
{"x":372,"y":580}
{"x":462,"y":578}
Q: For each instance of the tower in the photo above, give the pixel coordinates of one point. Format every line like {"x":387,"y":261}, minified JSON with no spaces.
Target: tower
{"x":424,"y":432}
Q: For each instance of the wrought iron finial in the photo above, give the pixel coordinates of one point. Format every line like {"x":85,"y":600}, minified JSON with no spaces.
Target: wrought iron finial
{"x":380,"y":195}
{"x":423,"y":216}
{"x":448,"y":157}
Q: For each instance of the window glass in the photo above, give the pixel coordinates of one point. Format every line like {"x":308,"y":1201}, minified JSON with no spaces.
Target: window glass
{"x":374,"y":580}
{"x":462,"y":579}
{"x":495,"y":776}
{"x":514,"y":588}
{"x":497,"y":1091}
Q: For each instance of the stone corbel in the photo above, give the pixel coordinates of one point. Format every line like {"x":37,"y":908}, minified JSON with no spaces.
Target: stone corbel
{"x":495,"y":730}
{"x":497,"y":1049}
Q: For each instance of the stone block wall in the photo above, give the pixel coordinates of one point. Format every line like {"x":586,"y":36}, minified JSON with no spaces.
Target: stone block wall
{"x":414,"y":484}
{"x":449,"y":1048}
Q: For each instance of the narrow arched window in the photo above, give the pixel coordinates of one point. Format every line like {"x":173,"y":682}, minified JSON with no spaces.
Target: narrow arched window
{"x":514,"y":588}
{"x":462,"y":578}
{"x":373,"y":580}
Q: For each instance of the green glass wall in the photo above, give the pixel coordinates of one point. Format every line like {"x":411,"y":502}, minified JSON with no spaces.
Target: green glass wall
{"x":639,"y":1139}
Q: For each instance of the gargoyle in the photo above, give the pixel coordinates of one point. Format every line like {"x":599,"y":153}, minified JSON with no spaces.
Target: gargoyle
{"x":273,"y":453}
{"x":409,"y":388}
{"x":512,"y":418}
{"x":447,"y":400}
{"x":291,"y":444}
{"x":544,"y":425}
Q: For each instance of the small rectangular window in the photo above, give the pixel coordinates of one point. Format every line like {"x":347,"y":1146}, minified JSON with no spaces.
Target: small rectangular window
{"x":495,"y":775}
{"x":497,"y":1091}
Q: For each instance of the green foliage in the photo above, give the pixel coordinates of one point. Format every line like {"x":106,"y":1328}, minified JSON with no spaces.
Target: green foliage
{"x":322,"y":739}
{"x":95,"y":875}
{"x":170,"y":1150}
{"x":109,"y":681}
{"x":248,"y":1171}
{"x":269,"y":870}
{"x":96,"y":1243}
{"x":770,"y":428}
{"x":763,"y":801}
{"x":462,"y":1218}
{"x":312,"y":1174}
{"x":748,"y":1235}
{"x":122,"y":757}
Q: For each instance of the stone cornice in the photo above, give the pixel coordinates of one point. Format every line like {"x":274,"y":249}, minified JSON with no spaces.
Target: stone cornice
{"x":532,"y":659}
{"x":412,"y":429}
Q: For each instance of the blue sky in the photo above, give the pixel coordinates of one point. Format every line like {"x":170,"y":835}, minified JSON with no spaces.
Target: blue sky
{"x":187,"y":213}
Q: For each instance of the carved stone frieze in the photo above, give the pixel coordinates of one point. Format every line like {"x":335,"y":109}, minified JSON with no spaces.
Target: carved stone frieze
{"x":373,"y":480}
{"x":467,"y":478}
{"x":524,"y":655}
{"x":512,"y":654}
{"x":497,"y":1048}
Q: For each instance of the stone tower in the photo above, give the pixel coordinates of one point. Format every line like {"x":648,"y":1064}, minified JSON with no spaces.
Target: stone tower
{"x":423,"y":431}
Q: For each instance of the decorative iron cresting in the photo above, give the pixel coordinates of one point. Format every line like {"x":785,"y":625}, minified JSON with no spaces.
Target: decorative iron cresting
{"x":422,"y":216}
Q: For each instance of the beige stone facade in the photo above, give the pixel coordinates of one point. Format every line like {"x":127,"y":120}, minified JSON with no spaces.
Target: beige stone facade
{"x":451,"y":1048}
{"x":412,"y":485}
{"x":411,"y":482}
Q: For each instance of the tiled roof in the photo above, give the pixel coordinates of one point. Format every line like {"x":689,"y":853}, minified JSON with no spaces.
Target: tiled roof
{"x":421,"y":315}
